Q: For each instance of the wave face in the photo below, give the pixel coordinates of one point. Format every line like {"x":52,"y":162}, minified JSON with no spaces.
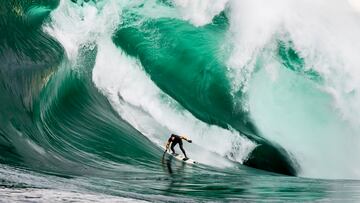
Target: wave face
{"x":90,"y":90}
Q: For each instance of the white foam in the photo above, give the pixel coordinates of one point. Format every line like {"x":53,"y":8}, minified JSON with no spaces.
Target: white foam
{"x":74,"y":26}
{"x":326,"y":35}
{"x":200,"y":12}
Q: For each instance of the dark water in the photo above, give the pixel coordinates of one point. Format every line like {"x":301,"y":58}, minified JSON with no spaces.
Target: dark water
{"x":89,"y":91}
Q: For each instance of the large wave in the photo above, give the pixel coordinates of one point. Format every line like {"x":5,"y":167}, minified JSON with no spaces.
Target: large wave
{"x":97,"y":86}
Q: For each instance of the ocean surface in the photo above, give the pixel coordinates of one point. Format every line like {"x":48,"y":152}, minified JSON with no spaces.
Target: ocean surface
{"x":268,"y":90}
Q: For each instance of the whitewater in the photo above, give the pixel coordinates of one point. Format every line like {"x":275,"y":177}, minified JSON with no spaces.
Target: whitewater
{"x":267,"y":90}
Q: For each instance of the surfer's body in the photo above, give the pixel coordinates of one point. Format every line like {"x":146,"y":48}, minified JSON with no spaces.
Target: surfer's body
{"x":174,"y":140}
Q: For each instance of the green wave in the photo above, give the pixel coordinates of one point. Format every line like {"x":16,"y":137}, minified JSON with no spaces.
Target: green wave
{"x":56,"y":125}
{"x":53,"y":114}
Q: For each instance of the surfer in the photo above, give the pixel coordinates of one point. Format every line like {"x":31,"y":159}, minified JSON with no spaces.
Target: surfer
{"x":174,"y":140}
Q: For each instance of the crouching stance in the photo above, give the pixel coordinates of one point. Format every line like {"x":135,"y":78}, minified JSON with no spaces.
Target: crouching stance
{"x":174,"y":140}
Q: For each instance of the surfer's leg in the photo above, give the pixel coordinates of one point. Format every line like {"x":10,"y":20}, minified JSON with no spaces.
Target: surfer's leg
{"x":172,"y":147}
{"x":182,"y":149}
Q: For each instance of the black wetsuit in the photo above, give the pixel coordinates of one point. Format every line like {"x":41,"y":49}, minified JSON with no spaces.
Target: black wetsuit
{"x":176,"y":140}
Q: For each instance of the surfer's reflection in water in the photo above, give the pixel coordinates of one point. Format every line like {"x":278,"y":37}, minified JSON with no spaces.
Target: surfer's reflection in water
{"x":174,"y":140}
{"x":176,"y":172}
{"x":167,"y":164}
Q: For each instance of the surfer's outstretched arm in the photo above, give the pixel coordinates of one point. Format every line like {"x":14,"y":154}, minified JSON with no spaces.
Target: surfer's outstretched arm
{"x":186,"y":138}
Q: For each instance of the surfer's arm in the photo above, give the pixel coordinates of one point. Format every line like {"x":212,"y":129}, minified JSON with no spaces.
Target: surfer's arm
{"x":186,"y":138}
{"x":167,"y":145}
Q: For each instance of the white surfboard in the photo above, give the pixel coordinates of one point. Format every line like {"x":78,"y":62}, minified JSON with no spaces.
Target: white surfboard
{"x":180,"y":157}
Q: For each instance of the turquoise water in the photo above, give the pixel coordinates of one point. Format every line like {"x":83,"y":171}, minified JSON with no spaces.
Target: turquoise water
{"x":90,"y":90}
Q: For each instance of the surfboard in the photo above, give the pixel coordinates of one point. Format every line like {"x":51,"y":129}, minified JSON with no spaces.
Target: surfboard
{"x":180,"y":157}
